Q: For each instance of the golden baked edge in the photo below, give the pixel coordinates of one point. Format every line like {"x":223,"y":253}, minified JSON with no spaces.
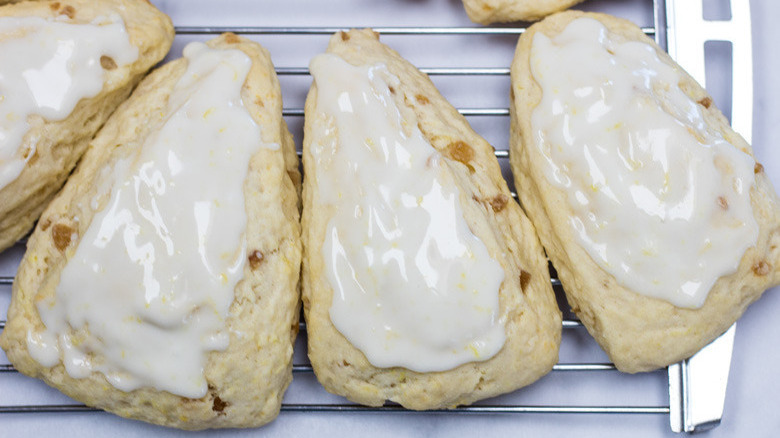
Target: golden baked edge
{"x":533,"y":320}
{"x":502,"y":11}
{"x":59,"y":145}
{"x":637,"y":332}
{"x":248,"y":379}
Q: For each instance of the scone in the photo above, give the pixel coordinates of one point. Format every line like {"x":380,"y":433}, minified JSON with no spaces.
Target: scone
{"x":501,"y":11}
{"x":161,"y":284}
{"x":66,"y":66}
{"x":662,"y":226}
{"x":423,"y":282}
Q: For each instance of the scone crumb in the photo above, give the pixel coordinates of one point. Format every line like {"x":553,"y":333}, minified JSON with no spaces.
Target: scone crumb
{"x":758,"y":168}
{"x":460,"y":151}
{"x":255,"y":259}
{"x":392,"y":90}
{"x":723,"y":203}
{"x":344,"y":36}
{"x":762,"y":268}
{"x":525,"y":277}
{"x":498,"y":202}
{"x":68,"y":10}
{"x":45,"y":224}
{"x":219,"y":405}
{"x":61,"y":235}
{"x":706,"y":102}
{"x":107,"y":62}
{"x":231,"y":38}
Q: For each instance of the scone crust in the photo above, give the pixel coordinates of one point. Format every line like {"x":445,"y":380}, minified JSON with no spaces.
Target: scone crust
{"x":533,"y":320}
{"x":248,"y":379}
{"x":59,"y":145}
{"x":638,"y":333}
{"x":501,"y":11}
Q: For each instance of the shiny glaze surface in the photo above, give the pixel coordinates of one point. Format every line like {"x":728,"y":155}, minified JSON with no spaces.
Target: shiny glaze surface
{"x":47,"y":67}
{"x":413,"y":287}
{"x":660,"y":199}
{"x":146,"y":294}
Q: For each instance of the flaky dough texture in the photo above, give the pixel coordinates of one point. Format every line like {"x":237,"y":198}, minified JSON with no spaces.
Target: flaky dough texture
{"x":526,"y":299}
{"x":248,"y":379}
{"x":59,"y":145}
{"x":501,"y":11}
{"x":637,"y":332}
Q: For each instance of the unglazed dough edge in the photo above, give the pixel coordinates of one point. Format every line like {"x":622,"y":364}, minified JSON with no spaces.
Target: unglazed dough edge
{"x":533,"y":325}
{"x":638,"y":333}
{"x":502,"y":11}
{"x":248,"y":379}
{"x":61,"y":144}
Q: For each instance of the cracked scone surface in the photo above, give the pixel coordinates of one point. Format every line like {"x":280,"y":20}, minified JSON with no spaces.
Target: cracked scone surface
{"x":60,"y":144}
{"x":639,"y":333}
{"x":501,"y":11}
{"x":247,"y":380}
{"x":526,"y":300}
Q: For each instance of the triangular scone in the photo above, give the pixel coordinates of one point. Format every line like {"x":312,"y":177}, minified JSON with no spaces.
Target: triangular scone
{"x":685,"y":234}
{"x":51,"y":146}
{"x":402,"y":326}
{"x":502,"y":11}
{"x":246,"y":353}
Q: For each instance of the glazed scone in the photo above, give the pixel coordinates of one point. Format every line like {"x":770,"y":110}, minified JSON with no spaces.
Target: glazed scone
{"x":659,"y":222}
{"x":446,"y":317}
{"x":46,"y":129}
{"x":502,"y":11}
{"x":180,"y":228}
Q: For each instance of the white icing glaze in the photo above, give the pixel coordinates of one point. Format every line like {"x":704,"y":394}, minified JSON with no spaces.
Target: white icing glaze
{"x":47,"y":67}
{"x":413,"y":287}
{"x":660,"y":200}
{"x":145,"y":296}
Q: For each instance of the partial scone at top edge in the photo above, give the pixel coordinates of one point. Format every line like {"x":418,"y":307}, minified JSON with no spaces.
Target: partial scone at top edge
{"x":526,"y":300}
{"x":246,"y":381}
{"x":638,"y":332}
{"x":502,"y":11}
{"x":58,"y":145}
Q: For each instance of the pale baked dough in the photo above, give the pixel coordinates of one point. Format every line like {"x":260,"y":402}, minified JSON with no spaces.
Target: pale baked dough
{"x":59,"y":145}
{"x":501,"y":11}
{"x":248,"y":379}
{"x":637,"y":332}
{"x":533,"y":320}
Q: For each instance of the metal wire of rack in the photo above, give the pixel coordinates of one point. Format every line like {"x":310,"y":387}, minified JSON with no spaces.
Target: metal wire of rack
{"x":658,"y":31}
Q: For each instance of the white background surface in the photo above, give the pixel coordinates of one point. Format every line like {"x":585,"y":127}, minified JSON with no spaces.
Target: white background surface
{"x":752,"y":402}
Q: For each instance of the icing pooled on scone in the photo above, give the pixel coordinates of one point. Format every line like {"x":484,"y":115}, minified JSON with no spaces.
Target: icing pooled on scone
{"x":413,"y":286}
{"x":46,"y":67}
{"x":660,"y":199}
{"x":146,"y":294}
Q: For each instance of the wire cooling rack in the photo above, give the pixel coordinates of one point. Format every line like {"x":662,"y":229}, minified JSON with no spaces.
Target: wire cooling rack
{"x":676,"y":25}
